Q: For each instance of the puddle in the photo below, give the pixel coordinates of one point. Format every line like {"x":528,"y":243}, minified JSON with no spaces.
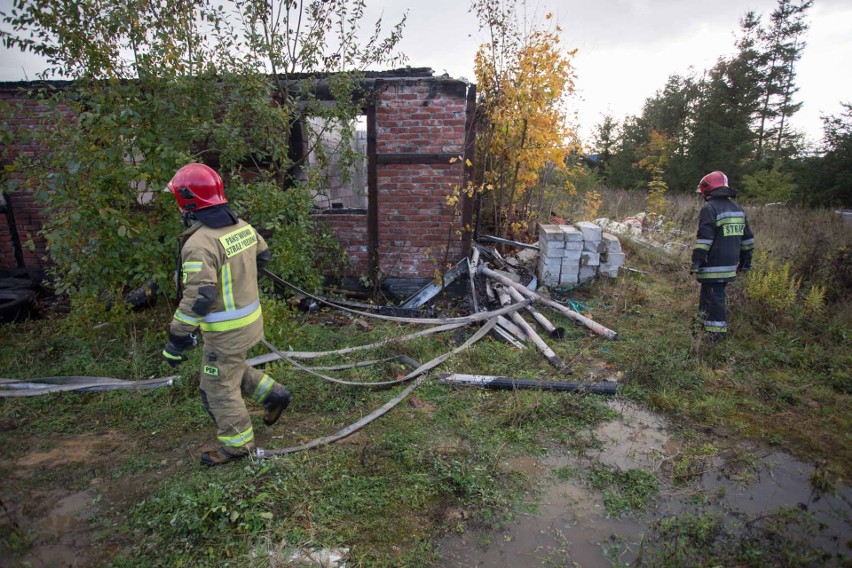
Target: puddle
{"x":570,"y":527}
{"x":59,"y":535}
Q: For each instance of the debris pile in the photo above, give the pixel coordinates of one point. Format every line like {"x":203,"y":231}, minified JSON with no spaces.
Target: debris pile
{"x":574,"y":254}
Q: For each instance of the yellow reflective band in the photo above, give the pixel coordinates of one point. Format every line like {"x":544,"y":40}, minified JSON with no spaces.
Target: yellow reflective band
{"x":227,"y":288}
{"x":238,"y":241}
{"x":239,"y":440}
{"x":182,"y":317}
{"x":168,"y":355}
{"x":714,"y":275}
{"x":231,"y":324}
{"x":730,"y":221}
{"x":194,"y":266}
{"x":747,"y":247}
{"x":262,"y":389}
{"x":702,"y":247}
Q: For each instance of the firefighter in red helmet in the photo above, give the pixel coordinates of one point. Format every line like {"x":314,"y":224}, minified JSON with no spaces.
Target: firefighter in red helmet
{"x":220,"y":259}
{"x":723,"y":247}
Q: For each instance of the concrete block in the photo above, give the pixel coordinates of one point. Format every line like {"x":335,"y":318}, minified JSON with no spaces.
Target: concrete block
{"x":609,"y":273}
{"x":574,"y":245}
{"x":548,"y":275}
{"x":587,"y":273}
{"x":569,"y":279}
{"x":550,"y":233}
{"x":594,"y":246}
{"x":611,"y":242}
{"x":590,"y":231}
{"x":590,"y":259}
{"x":613,"y":259}
{"x":552,"y":250}
{"x":551,"y":253}
{"x":572,"y":255}
{"x":571,"y":233}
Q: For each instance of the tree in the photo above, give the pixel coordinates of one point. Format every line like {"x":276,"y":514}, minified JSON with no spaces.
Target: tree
{"x":523,"y":80}
{"x":826,"y":180}
{"x":782,"y":46}
{"x":605,"y":140}
{"x":161,"y":83}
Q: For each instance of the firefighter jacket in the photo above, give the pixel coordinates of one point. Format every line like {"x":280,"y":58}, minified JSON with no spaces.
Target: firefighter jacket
{"x":220,"y":294}
{"x":724,"y":240}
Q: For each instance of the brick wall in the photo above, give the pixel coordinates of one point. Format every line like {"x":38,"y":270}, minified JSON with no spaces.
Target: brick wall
{"x":23,"y":115}
{"x":415,"y":225}
{"x":350,"y":230}
{"x":415,"y":222}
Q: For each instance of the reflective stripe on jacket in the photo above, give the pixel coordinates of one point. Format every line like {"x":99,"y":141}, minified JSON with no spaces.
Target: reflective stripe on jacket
{"x":724,"y":239}
{"x":220,"y":292}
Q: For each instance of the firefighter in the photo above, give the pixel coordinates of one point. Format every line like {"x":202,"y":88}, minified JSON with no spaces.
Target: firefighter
{"x":220,"y":259}
{"x":723,"y":247}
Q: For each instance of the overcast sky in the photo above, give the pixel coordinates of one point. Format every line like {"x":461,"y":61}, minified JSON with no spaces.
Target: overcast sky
{"x":627,"y":48}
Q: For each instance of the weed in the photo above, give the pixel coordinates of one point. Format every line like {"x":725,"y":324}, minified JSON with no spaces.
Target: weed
{"x":624,"y":491}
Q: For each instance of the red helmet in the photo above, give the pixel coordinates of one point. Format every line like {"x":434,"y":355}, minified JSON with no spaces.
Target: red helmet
{"x":713,"y":180}
{"x":196,"y":186}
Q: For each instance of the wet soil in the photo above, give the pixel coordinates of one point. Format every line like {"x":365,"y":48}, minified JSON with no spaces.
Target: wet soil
{"x":571,"y":527}
{"x":61,"y":526}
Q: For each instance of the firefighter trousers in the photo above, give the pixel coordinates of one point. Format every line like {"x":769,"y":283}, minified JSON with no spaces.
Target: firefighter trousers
{"x":711,"y":307}
{"x":225,"y":380}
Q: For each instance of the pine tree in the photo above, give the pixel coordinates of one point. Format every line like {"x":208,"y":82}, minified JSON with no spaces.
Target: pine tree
{"x":605,"y":139}
{"x":782,"y":46}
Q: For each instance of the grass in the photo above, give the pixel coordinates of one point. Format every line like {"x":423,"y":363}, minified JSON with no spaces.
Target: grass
{"x":433,"y":467}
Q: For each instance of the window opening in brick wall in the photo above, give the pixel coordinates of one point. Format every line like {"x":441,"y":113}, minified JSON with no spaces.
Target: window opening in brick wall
{"x":337,"y":155}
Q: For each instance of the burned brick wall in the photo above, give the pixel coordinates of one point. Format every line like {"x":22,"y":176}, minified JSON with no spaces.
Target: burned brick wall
{"x":21,"y":116}
{"x":416,"y":155}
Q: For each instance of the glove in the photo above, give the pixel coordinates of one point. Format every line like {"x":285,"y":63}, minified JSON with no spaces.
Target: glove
{"x":174,"y":348}
{"x":694,"y":268}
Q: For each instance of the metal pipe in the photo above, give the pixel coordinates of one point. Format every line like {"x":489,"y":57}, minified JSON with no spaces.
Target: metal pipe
{"x":548,"y":353}
{"x":590,"y":323}
{"x":552,"y":330}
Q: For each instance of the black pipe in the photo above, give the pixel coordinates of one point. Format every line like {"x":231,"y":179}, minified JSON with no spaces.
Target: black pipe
{"x":507,"y":383}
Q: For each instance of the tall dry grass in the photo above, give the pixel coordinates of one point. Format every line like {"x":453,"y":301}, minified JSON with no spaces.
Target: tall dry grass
{"x":816,"y":242}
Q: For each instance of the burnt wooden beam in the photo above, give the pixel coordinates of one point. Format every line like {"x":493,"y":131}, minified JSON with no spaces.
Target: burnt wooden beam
{"x":372,"y":197}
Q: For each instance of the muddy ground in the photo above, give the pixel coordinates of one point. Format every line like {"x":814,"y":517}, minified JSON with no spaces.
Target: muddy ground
{"x":570,"y":526}
{"x":565,"y":522}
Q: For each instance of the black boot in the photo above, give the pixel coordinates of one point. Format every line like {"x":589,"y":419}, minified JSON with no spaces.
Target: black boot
{"x":221,"y":456}
{"x":275,"y":404}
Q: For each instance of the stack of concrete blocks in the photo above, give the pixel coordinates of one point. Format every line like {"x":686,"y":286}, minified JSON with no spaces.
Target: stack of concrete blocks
{"x":572,"y":254}
{"x":590,"y":258}
{"x":612,"y":257}
{"x":551,"y":250}
{"x":569,"y":274}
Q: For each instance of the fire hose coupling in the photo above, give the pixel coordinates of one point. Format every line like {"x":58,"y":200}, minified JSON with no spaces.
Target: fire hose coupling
{"x":260,"y":453}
